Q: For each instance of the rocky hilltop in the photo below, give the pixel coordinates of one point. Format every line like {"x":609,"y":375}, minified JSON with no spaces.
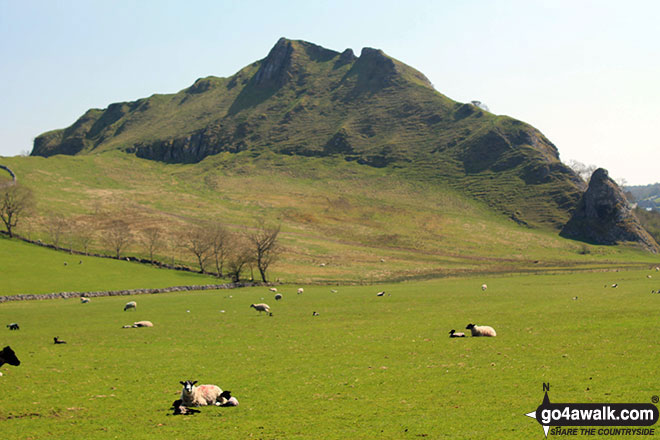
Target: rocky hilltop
{"x":303,"y":99}
{"x":603,"y":216}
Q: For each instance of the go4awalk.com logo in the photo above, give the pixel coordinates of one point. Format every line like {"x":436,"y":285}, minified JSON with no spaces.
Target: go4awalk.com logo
{"x":595,"y":419}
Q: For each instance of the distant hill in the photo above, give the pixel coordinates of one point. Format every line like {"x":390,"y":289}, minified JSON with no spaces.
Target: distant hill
{"x":646,"y":196}
{"x":307,"y":101}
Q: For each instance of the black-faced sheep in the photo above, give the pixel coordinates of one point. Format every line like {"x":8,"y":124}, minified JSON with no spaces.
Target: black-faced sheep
{"x":278,"y":296}
{"x":130,"y":305}
{"x":261,"y":308}
{"x":7,"y":356}
{"x":84,"y":300}
{"x":481,"y":330}
{"x":202,"y":395}
{"x":453,"y":334}
{"x":380,"y":293}
{"x":56,"y":340}
{"x":301,"y":291}
{"x":484,"y":287}
{"x":13,"y":326}
{"x":315,"y":314}
{"x":143,"y":324}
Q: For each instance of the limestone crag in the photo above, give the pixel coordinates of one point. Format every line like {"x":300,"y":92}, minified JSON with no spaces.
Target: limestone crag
{"x":603,"y":216}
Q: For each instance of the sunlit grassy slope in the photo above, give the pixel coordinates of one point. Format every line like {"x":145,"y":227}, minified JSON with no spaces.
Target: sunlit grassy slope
{"x":363,"y":223}
{"x":367,"y":367}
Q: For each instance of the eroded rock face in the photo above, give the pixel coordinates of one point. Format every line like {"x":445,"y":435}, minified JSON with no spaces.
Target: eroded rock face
{"x":604,"y":217}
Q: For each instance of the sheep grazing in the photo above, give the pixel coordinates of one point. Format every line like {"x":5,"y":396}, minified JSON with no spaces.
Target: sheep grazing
{"x":300,"y":291}
{"x":481,"y":330}
{"x":56,"y":340}
{"x":202,"y":395}
{"x":130,"y":305}
{"x":484,"y":287}
{"x":453,"y":334}
{"x":273,"y":289}
{"x":278,"y":296}
{"x":261,"y":308}
{"x":7,"y":356}
{"x":380,"y":293}
{"x":13,"y":326}
{"x":575,"y":298}
{"x":84,"y":300}
{"x":226,"y":399}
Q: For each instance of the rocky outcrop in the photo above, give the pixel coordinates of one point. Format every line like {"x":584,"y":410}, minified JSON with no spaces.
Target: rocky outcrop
{"x":603,"y":216}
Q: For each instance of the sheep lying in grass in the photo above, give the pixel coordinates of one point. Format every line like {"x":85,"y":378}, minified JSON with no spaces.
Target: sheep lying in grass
{"x":481,"y":330}
{"x":261,"y":308}
{"x":56,"y":340}
{"x":84,"y":300}
{"x":381,"y":293}
{"x":278,"y":296}
{"x":484,"y":287}
{"x":273,"y":289}
{"x":130,"y":305}
{"x":139,"y":324}
{"x":202,"y":395}
{"x":300,"y":291}
{"x":180,"y":410}
{"x":453,"y":334}
{"x":227,"y":399}
{"x":13,"y":326}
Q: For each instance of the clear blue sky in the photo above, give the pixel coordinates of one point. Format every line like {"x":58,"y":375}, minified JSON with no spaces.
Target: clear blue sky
{"x":586,"y":73}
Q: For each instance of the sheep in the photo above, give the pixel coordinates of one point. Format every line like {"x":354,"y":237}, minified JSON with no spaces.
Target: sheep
{"x":180,"y":410}
{"x":84,"y":300}
{"x":333,"y":290}
{"x":453,"y":334}
{"x":261,"y":307}
{"x":202,"y":395}
{"x":7,"y":356}
{"x":300,"y":291}
{"x":143,"y":324}
{"x":130,"y":305}
{"x":273,"y":289}
{"x":315,"y":314}
{"x":615,"y":285}
{"x":481,"y":330}
{"x":13,"y":326}
{"x":380,"y":293}
{"x":278,"y":296}
{"x":484,"y":287}
{"x":56,"y":340}
{"x":227,"y":399}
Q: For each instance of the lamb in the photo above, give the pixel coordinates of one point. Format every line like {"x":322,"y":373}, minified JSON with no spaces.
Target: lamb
{"x":7,"y":356}
{"x":484,"y":287}
{"x":380,"y":293}
{"x":481,"y":330}
{"x":84,"y":300}
{"x":273,"y":289}
{"x":300,"y":291}
{"x":13,"y":326}
{"x":130,"y":305}
{"x":56,"y":340}
{"x":227,"y":399}
{"x":278,"y":296}
{"x":261,"y":307}
{"x":180,"y":410}
{"x":202,"y":395}
{"x":453,"y":334}
{"x":143,"y":324}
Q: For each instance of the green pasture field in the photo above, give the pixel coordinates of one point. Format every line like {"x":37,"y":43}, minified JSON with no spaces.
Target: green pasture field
{"x":26,"y":268}
{"x":367,"y":367}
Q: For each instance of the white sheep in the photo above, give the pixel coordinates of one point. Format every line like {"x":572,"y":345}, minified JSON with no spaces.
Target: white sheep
{"x":261,"y":307}
{"x":278,"y":296}
{"x":130,"y":305}
{"x":484,"y":287}
{"x":381,"y":293}
{"x":300,"y":291}
{"x":273,"y":289}
{"x":202,"y":395}
{"x":84,"y":300}
{"x":481,"y":330}
{"x":143,"y":324}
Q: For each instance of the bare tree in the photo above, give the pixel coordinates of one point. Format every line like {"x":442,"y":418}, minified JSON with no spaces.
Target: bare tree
{"x":582,"y":170}
{"x":57,"y":227}
{"x":153,"y":240}
{"x":15,"y":202}
{"x":117,"y":235}
{"x":219,"y":246}
{"x":239,"y":255}
{"x":197,"y":241}
{"x":263,"y":242}
{"x":84,"y":235}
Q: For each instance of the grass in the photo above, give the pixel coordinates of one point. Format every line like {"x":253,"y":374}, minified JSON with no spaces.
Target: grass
{"x":28,"y":268}
{"x":367,"y":367}
{"x":332,"y":211}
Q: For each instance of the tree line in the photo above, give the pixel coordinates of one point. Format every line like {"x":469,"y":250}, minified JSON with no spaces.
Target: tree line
{"x":216,"y":249}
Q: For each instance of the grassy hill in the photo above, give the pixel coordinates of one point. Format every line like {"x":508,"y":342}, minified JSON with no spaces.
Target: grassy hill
{"x":308,"y":101}
{"x":338,"y":213}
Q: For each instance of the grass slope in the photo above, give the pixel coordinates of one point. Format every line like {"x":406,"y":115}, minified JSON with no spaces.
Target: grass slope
{"x":339,"y":213}
{"x":26,"y":268}
{"x":366,"y":368}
